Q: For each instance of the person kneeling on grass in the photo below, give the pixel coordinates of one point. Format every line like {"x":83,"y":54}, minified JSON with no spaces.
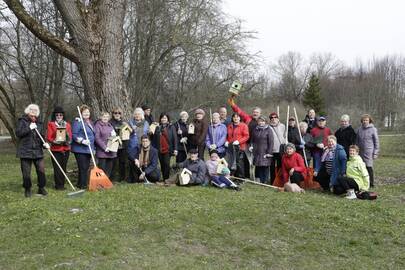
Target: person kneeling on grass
{"x":221,"y":179}
{"x":145,"y":158}
{"x":195,"y":168}
{"x":292,"y":165}
{"x":356,"y":178}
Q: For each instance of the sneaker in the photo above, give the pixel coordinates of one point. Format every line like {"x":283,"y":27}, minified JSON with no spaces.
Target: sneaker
{"x":42,"y":191}
{"x":351,"y":195}
{"x":27,"y":193}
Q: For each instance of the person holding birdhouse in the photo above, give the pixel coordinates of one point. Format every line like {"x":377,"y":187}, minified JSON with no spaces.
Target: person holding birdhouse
{"x":165,"y":141}
{"x":182,"y":134}
{"x":124,"y":131}
{"x":80,"y":145}
{"x":250,"y":120}
{"x":219,"y":172}
{"x":194,"y":170}
{"x":107,"y":143}
{"x":197,"y":132}
{"x":59,"y":136}
{"x":30,"y":148}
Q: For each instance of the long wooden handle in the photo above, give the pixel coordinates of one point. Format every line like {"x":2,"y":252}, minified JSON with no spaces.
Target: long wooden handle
{"x":299,"y":132}
{"x":256,"y":183}
{"x":87,"y":137}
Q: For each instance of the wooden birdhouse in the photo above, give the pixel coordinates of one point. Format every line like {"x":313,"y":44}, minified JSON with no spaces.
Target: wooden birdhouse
{"x":152,"y":127}
{"x":125,"y":132}
{"x":221,"y":165}
{"x":184,"y":177}
{"x":191,"y":128}
{"x":60,"y":135}
{"x":113,"y":143}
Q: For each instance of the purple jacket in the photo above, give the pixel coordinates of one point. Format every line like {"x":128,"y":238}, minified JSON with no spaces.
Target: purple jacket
{"x":262,"y":141}
{"x":367,"y":140}
{"x":103,"y":132}
{"x":220,"y":133}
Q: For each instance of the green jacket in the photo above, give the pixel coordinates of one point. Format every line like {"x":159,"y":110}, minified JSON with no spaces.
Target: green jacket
{"x":356,"y":169}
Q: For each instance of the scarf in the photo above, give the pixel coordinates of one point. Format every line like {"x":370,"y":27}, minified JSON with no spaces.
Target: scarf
{"x":60,"y":124}
{"x":144,"y":156}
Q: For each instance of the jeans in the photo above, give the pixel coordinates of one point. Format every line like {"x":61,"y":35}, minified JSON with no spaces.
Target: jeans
{"x":345,"y":183}
{"x":62,"y":158}
{"x":164,"y":160}
{"x":371,"y":175}
{"x":83,"y":163}
{"x":317,"y":155}
{"x":263,"y":173}
{"x":136,"y":172}
{"x":275,"y":162}
{"x":39,"y":164}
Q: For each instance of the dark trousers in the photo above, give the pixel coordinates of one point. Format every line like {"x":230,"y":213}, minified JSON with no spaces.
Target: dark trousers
{"x":323,"y":178}
{"x":371,"y":175}
{"x":136,"y":172}
{"x":296,"y":178}
{"x":62,"y":158}
{"x":181,"y":156}
{"x":106,"y":164}
{"x":26,"y":172}
{"x":83,"y":163}
{"x":345,"y":183}
{"x":275,"y":162}
{"x":119,"y":169}
{"x":164,"y":160}
{"x":263,"y":173}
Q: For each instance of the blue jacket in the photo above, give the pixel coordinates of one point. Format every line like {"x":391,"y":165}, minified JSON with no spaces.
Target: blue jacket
{"x":133,"y":139}
{"x":78,"y":135}
{"x":219,"y":139}
{"x":153,"y":160}
{"x":338,"y":165}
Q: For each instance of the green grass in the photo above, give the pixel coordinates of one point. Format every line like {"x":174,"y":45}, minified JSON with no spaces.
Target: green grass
{"x":149,"y":227}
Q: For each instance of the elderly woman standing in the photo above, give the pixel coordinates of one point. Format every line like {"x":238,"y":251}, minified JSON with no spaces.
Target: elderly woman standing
{"x":368,"y":142}
{"x":182,"y":133}
{"x":306,"y":142}
{"x":345,"y":135}
{"x":320,"y":134}
{"x":139,"y":127}
{"x":197,"y":140}
{"x":262,"y":147}
{"x":104,"y":130}
{"x":120,"y":162}
{"x":60,"y":149}
{"x":216,"y":136}
{"x":333,"y":164}
{"x":29,"y":148}
{"x":278,"y":135}
{"x":80,"y":145}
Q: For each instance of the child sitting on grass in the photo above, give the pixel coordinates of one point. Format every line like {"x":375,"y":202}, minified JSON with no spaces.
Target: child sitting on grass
{"x":220,"y":180}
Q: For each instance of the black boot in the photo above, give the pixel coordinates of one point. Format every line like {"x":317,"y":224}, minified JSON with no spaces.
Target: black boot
{"x":42,"y":191}
{"x":27,"y":193}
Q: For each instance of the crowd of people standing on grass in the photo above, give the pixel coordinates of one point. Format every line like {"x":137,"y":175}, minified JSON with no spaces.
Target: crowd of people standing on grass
{"x":240,"y":145}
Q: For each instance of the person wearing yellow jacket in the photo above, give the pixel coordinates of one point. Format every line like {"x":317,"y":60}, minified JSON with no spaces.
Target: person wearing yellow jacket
{"x":357,"y":178}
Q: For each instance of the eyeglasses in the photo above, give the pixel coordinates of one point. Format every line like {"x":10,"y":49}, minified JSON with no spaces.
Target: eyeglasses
{"x":273,"y":117}
{"x":116,"y":112}
{"x":58,"y":114}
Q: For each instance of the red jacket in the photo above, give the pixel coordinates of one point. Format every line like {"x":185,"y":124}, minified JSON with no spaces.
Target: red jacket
{"x":244,"y":117}
{"x":320,"y":134}
{"x":51,"y":135}
{"x":238,"y":133}
{"x":294,"y":161}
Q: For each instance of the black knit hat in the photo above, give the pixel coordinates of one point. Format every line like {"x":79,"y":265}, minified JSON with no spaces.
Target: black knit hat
{"x":193,"y":151}
{"x":58,"y":109}
{"x":145,"y":107}
{"x":212,"y":151}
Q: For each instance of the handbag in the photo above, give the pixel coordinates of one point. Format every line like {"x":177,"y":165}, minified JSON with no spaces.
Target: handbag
{"x":282,"y":145}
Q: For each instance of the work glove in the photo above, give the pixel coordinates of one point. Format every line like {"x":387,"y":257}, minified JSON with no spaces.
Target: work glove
{"x":107,"y":150}
{"x":213,"y":146}
{"x":175,"y":152}
{"x":136,"y":162}
{"x":33,"y":126}
{"x":113,"y":133}
{"x":180,"y":132}
{"x":86,"y":142}
{"x":226,"y":144}
{"x":320,"y":145}
{"x":183,"y":140}
{"x":251,"y":149}
{"x":236,"y":142}
{"x":46,"y":145}
{"x":268,"y":156}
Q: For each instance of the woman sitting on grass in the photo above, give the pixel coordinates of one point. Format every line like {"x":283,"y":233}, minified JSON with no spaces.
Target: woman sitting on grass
{"x":356,"y":178}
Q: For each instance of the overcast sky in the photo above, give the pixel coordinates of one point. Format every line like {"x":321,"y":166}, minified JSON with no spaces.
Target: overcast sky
{"x":349,"y":29}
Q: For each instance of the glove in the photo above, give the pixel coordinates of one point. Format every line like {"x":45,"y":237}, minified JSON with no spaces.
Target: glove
{"x":107,"y":150}
{"x":46,"y":145}
{"x":136,"y":162}
{"x":86,"y":142}
{"x":375,"y":156}
{"x":251,"y":149}
{"x":231,"y":101}
{"x":267,"y":156}
{"x":320,"y":145}
{"x":113,"y":133}
{"x":179,"y":132}
{"x":301,"y":146}
{"x":213,"y":146}
{"x":183,"y":140}
{"x":33,"y":126}
{"x":236,"y":142}
{"x":226,"y":144}
{"x":175,"y":152}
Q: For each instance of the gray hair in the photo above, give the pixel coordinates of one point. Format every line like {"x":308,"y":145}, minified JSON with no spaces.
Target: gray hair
{"x":345,"y":117}
{"x":304,"y":125}
{"x":32,"y":107}
{"x":183,"y":113}
{"x":257,"y":109}
{"x":139,"y":110}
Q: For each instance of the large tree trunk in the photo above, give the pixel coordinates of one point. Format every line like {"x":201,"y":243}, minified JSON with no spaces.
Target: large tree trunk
{"x":96,"y":47}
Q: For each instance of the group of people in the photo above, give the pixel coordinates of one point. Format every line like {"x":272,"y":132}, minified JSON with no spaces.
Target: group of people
{"x":239,"y":145}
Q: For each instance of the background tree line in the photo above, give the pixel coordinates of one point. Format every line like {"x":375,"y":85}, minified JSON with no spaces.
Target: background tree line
{"x":172,"y":55}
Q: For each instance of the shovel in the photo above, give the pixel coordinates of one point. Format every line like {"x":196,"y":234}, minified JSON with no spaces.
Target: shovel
{"x":146,"y":182}
{"x":70,"y":194}
{"x":98,"y":178}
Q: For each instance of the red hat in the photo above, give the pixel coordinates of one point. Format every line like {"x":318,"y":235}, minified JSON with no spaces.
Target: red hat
{"x":273,"y":114}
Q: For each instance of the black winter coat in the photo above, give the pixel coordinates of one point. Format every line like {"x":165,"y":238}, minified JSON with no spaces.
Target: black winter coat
{"x":30,"y":145}
{"x":346,"y":137}
{"x":183,"y":127}
{"x":262,"y":142}
{"x":294,"y":136}
{"x":171,"y":131}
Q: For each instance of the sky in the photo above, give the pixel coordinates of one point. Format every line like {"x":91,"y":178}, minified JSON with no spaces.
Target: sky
{"x":351,"y":30}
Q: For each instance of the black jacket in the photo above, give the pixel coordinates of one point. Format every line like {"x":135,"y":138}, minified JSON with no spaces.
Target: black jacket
{"x":294,"y":136}
{"x":346,"y":137}
{"x":171,"y":131}
{"x":183,"y":127}
{"x":29,"y":144}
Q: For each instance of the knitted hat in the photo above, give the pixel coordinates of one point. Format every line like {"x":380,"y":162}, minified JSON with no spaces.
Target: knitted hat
{"x":145,"y":107}
{"x":261,"y":117}
{"x":58,"y":109}
{"x":199,"y":111}
{"x":289,"y":145}
{"x":213,"y":151}
{"x":321,"y":118}
{"x":193,"y":151}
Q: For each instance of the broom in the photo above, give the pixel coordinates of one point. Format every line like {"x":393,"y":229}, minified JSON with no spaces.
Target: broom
{"x":98,"y":178}
{"x":70,"y":194}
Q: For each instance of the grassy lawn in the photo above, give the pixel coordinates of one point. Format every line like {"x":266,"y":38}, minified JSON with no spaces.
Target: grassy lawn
{"x":150,"y":227}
